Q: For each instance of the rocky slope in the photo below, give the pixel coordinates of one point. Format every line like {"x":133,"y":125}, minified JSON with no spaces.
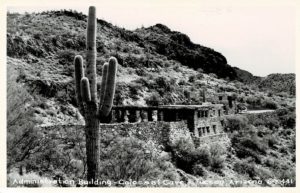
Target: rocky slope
{"x":156,"y":64}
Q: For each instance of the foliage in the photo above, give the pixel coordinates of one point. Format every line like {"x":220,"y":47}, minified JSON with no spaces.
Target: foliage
{"x":153,"y":100}
{"x":22,"y":136}
{"x":188,"y":158}
{"x":129,"y":158}
{"x":236,"y":122}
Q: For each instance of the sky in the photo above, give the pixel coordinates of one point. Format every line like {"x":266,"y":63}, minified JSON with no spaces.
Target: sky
{"x":259,"y":38}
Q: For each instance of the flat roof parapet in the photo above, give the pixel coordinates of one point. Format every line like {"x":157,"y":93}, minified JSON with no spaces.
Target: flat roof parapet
{"x":169,"y":107}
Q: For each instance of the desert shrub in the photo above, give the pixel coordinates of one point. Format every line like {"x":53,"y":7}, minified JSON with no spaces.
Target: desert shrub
{"x":141,"y":72}
{"x":289,"y":120}
{"x":121,"y":93}
{"x":272,"y":141}
{"x":203,"y":155}
{"x":181,"y":82}
{"x":217,"y":153}
{"x":153,"y":100}
{"x":236,"y":122}
{"x":272,"y":123}
{"x":129,"y":158}
{"x":22,"y":136}
{"x":244,"y":168}
{"x":163,"y":85}
{"x":283,"y":150}
{"x":37,"y":35}
{"x":268,"y":104}
{"x":252,"y":171}
{"x":192,"y":79}
{"x":183,"y":154}
{"x":248,"y":146}
{"x":192,"y":160}
{"x":134,"y":90}
{"x":199,"y":170}
{"x":66,"y":57}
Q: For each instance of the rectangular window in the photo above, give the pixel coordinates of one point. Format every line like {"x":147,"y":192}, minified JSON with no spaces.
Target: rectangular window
{"x":200,"y":131}
{"x":215,"y":129}
{"x":207,"y":129}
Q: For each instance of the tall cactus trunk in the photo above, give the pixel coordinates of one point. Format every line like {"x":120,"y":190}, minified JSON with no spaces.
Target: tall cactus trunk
{"x":87,"y":100}
{"x":92,"y":146}
{"x":91,"y":119}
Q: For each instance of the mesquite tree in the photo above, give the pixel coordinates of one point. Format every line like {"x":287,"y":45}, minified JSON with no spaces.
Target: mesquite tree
{"x":92,"y":108}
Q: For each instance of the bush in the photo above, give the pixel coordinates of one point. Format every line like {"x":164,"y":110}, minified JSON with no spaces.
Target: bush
{"x":163,"y":85}
{"x":203,"y":155}
{"x":272,"y":141}
{"x":217,"y":153}
{"x":248,"y":146}
{"x":66,"y":57}
{"x":153,"y":100}
{"x":22,"y":137}
{"x":199,"y":170}
{"x":129,"y":158}
{"x":236,"y":122}
{"x":270,"y":104}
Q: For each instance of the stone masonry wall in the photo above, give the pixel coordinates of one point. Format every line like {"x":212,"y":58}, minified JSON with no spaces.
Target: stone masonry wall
{"x":159,"y":132}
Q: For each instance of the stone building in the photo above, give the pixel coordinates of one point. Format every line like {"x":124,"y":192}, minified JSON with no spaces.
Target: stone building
{"x":202,"y":120}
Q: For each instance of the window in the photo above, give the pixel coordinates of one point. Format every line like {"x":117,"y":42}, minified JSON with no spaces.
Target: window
{"x":220,"y":98}
{"x":206,"y":113}
{"x":200,"y":131}
{"x":207,"y":129}
{"x":215,"y":129}
{"x":219,"y":112}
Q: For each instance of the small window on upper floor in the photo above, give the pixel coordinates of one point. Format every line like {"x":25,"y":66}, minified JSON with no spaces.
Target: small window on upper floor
{"x":215,"y":129}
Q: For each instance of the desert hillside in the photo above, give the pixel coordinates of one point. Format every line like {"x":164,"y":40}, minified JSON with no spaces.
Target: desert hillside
{"x":156,"y":66}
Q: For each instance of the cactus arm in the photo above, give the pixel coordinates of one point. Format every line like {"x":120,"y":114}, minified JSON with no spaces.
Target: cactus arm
{"x":110,"y":87}
{"x":85,"y":90}
{"x":91,"y":52}
{"x":103,"y":83}
{"x":79,"y":74}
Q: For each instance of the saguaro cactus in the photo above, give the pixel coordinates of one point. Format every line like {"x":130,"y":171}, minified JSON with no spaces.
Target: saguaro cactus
{"x":86,"y":91}
{"x":203,"y":93}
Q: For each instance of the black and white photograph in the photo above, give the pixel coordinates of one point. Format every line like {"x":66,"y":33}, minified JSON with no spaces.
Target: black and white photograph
{"x":151,"y":94}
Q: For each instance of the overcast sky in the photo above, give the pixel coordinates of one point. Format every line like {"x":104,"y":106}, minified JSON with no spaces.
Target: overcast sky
{"x":257,"y":38}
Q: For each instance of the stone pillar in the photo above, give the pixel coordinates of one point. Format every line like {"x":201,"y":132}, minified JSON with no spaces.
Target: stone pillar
{"x":122,"y":116}
{"x":126,"y":118}
{"x":113,"y":116}
{"x":160,"y":115}
{"x":150,"y":115}
{"x":143,"y":116}
{"x":200,"y":132}
{"x":196,"y":133}
{"x":203,"y":131}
